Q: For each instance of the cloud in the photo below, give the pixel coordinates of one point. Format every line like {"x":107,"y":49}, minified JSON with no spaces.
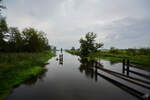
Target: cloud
{"x":130,"y":32}
{"x":120,"y":23}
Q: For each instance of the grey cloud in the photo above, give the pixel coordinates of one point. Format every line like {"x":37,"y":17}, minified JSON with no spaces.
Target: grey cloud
{"x":135,"y":33}
{"x":117,"y":23}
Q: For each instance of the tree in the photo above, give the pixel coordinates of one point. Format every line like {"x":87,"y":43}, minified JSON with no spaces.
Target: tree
{"x":29,"y":40}
{"x":34,"y":41}
{"x":3,"y":28}
{"x":1,"y":6}
{"x":15,"y":39}
{"x":73,"y":48}
{"x":14,"y":34}
{"x":88,"y":45}
{"x":3,"y":31}
{"x":43,"y":40}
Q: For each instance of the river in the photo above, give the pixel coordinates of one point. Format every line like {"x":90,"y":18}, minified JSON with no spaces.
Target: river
{"x":71,"y":80}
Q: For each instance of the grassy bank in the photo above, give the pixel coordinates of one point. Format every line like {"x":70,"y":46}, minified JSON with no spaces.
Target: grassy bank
{"x":141,"y":60}
{"x":15,"y":68}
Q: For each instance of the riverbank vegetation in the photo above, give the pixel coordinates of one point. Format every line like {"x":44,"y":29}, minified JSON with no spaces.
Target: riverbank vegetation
{"x":91,"y":50}
{"x":23,"y":54}
{"x":139,"y":57}
{"x":15,"y":68}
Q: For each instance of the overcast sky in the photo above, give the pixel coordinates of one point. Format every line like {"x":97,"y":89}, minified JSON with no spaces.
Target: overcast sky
{"x":119,"y":23}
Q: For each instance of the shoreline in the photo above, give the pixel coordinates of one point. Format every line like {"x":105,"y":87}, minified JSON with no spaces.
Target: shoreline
{"x":30,"y":66}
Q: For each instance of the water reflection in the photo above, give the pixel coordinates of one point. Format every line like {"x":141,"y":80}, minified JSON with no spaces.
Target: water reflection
{"x":61,"y":58}
{"x":89,"y":68}
{"x":104,"y":82}
{"x":60,"y":62}
{"x":33,"y":80}
{"x":113,"y":62}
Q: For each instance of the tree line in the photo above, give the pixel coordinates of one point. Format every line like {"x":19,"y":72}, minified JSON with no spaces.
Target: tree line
{"x":129,"y":51}
{"x":27,"y":40}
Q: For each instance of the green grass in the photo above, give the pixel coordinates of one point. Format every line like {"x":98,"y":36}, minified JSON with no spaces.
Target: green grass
{"x":141,"y":60}
{"x":15,"y":68}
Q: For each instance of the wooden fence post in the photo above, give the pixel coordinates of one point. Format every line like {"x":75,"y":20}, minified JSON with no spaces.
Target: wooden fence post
{"x":128,"y":64}
{"x":123,"y":66}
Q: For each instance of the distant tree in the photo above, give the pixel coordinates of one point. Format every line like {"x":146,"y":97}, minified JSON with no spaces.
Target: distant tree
{"x":131,"y":51}
{"x":113,"y":50}
{"x":144,"y":51}
{"x":88,"y":45}
{"x":73,"y":48}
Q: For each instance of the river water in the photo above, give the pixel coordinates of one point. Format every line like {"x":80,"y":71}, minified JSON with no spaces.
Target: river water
{"x":73,"y":81}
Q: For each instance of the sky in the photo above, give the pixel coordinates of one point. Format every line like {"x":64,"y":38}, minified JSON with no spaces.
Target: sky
{"x":118,"y":23}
